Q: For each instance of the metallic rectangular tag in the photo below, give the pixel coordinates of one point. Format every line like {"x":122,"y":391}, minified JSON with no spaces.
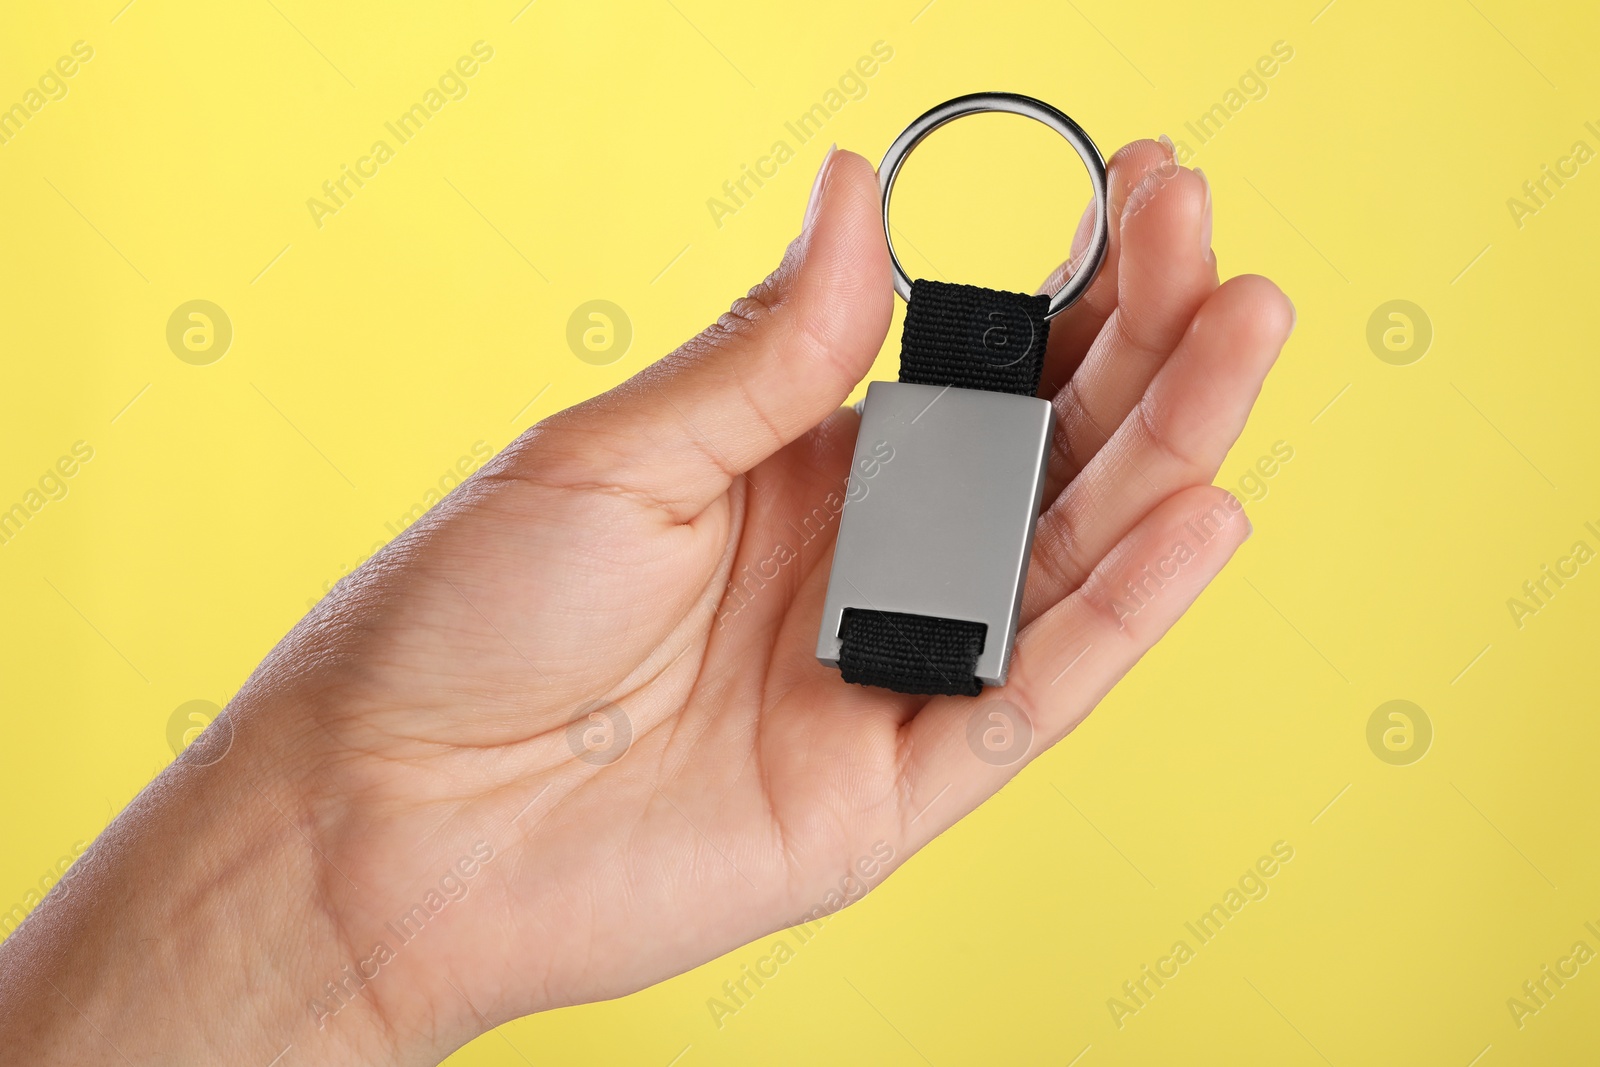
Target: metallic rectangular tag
{"x":939,"y":512}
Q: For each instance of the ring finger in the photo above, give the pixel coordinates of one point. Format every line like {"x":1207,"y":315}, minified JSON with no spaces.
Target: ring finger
{"x":1176,"y":436}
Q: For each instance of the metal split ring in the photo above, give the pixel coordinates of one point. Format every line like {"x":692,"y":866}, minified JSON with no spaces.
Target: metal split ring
{"x":1012,"y":103}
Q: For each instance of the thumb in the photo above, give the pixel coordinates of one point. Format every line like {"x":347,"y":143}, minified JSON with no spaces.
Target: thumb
{"x":771,"y":368}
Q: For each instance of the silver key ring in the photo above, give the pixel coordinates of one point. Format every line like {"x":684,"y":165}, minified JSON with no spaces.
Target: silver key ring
{"x":1014,"y":104}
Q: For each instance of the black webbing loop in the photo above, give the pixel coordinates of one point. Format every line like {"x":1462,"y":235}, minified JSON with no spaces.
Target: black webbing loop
{"x":910,"y":653}
{"x":974,"y":338}
{"x":971,"y":338}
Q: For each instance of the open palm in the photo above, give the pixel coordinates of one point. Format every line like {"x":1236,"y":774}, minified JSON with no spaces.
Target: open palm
{"x":567,"y":736}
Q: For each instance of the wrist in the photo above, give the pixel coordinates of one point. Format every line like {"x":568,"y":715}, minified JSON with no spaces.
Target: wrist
{"x":193,"y":929}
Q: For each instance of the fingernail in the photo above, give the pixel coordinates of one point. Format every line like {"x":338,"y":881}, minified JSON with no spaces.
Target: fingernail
{"x":1294,"y":319}
{"x":1205,"y":214}
{"x":1172,"y":149}
{"x":817,"y":186}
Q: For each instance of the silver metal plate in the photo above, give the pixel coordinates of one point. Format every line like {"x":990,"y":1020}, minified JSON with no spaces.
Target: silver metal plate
{"x":939,"y":512}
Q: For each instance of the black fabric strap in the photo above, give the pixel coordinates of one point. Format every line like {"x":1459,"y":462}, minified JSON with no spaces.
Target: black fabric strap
{"x":910,"y":653}
{"x":970,"y":338}
{"x":974,"y":338}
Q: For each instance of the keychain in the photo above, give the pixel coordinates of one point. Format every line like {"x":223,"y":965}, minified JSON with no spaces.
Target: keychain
{"x":949,"y":465}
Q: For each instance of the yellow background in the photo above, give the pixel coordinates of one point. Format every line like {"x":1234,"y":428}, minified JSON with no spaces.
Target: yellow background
{"x":430,"y":313}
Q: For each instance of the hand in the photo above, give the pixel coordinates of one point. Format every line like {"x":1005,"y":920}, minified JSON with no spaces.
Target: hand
{"x":566,"y":736}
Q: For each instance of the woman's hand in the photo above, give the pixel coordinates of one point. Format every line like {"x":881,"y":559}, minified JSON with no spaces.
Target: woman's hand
{"x":566,"y":736}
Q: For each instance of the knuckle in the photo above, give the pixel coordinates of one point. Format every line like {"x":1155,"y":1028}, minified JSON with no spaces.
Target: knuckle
{"x":1060,"y":554}
{"x":1155,"y":428}
{"x":1079,"y":435}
